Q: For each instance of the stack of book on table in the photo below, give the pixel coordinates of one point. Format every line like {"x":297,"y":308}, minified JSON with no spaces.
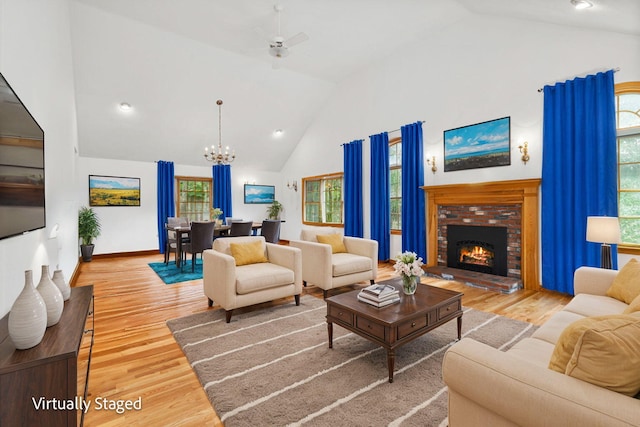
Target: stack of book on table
{"x":379,"y":295}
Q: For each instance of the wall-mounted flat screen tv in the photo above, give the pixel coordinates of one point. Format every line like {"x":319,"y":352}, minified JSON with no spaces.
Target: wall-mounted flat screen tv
{"x":22,"y":195}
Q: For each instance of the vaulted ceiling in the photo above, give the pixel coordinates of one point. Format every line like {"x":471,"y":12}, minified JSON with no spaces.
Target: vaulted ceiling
{"x":171,"y":60}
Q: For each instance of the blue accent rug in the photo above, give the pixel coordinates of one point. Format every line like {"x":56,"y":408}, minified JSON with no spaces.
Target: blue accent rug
{"x":171,"y":274}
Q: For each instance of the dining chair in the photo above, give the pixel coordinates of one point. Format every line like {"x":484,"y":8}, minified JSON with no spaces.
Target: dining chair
{"x":201,"y":239}
{"x":240,"y":228}
{"x":271,"y":230}
{"x":229,"y":220}
{"x":171,"y":244}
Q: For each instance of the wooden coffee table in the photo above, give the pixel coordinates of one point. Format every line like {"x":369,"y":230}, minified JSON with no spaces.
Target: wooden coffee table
{"x":396,"y":324}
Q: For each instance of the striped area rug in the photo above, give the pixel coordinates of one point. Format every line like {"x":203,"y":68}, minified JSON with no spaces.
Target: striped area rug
{"x":272,"y":366}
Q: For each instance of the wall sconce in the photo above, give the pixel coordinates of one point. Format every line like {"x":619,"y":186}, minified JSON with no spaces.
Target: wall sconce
{"x":293,"y":186}
{"x":524,"y":150}
{"x":432,"y":162}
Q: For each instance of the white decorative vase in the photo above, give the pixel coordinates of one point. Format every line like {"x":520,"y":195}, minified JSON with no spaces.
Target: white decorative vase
{"x":58,"y":279}
{"x":28,"y":316}
{"x":52,"y":297}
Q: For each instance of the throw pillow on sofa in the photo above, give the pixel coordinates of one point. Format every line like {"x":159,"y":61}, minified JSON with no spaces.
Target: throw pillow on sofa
{"x":248,"y":253}
{"x":626,"y":285}
{"x":334,"y":240}
{"x":633,"y":307}
{"x":602,"y":350}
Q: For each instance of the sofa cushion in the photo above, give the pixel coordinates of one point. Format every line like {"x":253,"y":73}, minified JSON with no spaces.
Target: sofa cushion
{"x":552,"y":328}
{"x":608,"y":354}
{"x":248,"y":253}
{"x":256,"y":277}
{"x":626,"y":285}
{"x":334,"y":240}
{"x":533,"y":350}
{"x":634,"y":306}
{"x":346,"y":263}
{"x":595,"y":305}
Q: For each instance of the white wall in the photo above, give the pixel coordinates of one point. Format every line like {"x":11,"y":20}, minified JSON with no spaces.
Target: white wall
{"x":133,"y":228}
{"x":478,"y":69}
{"x":35,"y":58}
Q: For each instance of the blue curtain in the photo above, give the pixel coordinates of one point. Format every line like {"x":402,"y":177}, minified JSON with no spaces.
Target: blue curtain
{"x":353,"y":205}
{"x":413,"y":217}
{"x":222,"y":189}
{"x":166,"y":203}
{"x":579,"y":176}
{"x":380,"y":209}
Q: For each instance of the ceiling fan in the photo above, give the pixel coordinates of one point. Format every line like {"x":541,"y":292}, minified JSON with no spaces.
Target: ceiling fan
{"x":278,"y":46}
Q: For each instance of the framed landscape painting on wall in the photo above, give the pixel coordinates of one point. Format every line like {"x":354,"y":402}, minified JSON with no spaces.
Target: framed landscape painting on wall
{"x":481,"y":145}
{"x":259,"y":194}
{"x":113,"y":191}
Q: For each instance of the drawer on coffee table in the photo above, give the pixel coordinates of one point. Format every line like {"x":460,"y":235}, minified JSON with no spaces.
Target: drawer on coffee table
{"x":342,"y":315}
{"x":371,"y":328}
{"x":411,"y":326}
{"x":448,"y":310}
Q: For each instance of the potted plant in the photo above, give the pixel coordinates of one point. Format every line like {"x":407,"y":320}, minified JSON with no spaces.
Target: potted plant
{"x":274,"y":210}
{"x":88,"y":229}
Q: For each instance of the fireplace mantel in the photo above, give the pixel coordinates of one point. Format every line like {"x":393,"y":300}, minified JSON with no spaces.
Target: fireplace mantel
{"x":523,"y":192}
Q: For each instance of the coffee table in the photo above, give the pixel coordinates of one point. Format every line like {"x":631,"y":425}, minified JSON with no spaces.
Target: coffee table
{"x":397,"y":324}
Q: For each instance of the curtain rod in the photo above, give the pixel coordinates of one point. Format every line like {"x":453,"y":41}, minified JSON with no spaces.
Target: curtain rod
{"x":615,"y":70}
{"x":389,"y":131}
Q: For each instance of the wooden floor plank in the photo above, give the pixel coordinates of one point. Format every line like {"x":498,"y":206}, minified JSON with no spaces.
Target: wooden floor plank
{"x":135,"y":355}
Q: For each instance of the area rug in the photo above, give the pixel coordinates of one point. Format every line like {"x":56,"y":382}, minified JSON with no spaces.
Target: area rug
{"x":171,"y":274}
{"x":272,"y":366}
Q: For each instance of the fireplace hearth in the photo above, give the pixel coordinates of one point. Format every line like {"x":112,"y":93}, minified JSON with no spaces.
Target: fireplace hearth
{"x":477,"y":248}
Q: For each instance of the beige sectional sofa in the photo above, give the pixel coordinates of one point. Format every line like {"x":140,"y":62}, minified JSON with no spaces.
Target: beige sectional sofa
{"x":516,"y":387}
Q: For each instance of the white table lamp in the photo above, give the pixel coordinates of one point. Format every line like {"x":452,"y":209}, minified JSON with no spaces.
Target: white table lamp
{"x":605,"y":230}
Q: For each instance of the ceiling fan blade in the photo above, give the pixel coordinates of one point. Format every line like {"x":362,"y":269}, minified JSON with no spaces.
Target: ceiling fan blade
{"x":297,"y":39}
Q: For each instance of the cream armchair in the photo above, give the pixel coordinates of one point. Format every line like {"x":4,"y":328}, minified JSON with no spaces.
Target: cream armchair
{"x":233,"y":286}
{"x":328,"y":270}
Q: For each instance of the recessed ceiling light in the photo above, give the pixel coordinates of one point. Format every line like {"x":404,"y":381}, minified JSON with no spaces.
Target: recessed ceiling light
{"x":124,"y":106}
{"x":278,"y":132}
{"x":581,"y":4}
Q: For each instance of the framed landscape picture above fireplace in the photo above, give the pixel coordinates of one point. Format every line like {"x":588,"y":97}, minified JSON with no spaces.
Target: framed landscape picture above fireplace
{"x":482,"y":145}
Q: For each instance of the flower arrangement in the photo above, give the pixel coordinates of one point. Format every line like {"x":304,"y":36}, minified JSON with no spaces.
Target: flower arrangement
{"x":409,"y":266}
{"x":216,"y":212}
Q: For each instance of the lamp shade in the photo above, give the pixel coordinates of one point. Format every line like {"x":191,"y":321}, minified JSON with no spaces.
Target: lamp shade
{"x":603,"y":229}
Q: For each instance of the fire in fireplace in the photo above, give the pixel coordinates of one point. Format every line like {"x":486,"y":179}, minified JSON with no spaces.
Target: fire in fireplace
{"x":475,"y":254}
{"x":477,"y":248}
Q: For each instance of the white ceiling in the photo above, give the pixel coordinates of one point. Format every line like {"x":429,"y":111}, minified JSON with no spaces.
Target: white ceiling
{"x":172,"y":59}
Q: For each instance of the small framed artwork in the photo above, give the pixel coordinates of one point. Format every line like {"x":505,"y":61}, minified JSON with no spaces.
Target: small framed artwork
{"x":482,"y":145}
{"x":113,"y":191}
{"x":259,"y":194}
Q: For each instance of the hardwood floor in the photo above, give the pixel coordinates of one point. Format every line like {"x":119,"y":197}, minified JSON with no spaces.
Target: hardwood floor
{"x":135,"y":355}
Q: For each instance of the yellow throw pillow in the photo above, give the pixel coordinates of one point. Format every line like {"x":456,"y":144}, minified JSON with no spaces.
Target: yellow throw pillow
{"x":609,"y":356}
{"x":334,"y":240}
{"x":248,"y":253}
{"x":626,"y":285}
{"x":633,"y":307}
{"x":566,"y":344}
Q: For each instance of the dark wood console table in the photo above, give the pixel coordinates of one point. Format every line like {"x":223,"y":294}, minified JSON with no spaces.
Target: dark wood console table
{"x":57,"y":368}
{"x":396,"y":324}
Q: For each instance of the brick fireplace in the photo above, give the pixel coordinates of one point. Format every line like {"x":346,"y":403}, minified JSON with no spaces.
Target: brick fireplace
{"x":506,"y":204}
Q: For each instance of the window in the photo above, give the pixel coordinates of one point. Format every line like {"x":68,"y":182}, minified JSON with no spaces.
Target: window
{"x":395,"y":183}
{"x":322,"y":196}
{"x":628,"y":141}
{"x":194,"y":198}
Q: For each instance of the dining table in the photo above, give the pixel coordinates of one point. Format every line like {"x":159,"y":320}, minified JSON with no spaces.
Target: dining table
{"x":185,"y":231}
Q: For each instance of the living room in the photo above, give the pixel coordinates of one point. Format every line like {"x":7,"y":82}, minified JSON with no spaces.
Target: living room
{"x":466,"y":66}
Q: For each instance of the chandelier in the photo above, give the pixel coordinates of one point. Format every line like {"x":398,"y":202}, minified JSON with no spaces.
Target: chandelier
{"x":219,"y":157}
